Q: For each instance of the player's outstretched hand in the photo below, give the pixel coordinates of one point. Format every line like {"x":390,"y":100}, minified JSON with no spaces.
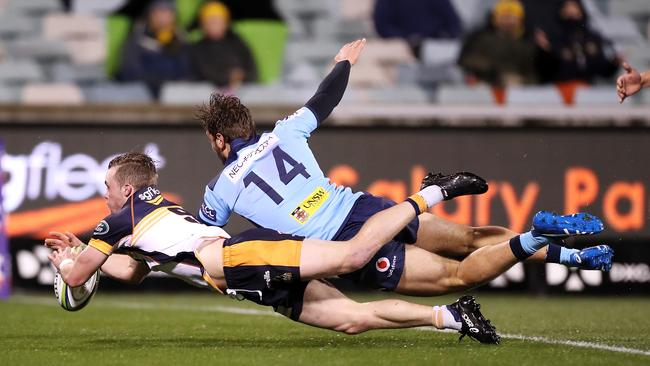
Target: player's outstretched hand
{"x":629,"y":83}
{"x":56,"y":257}
{"x":61,"y":241}
{"x":351,"y":51}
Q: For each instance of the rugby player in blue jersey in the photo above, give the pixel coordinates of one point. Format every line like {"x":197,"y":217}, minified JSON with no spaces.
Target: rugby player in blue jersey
{"x":275,"y":181}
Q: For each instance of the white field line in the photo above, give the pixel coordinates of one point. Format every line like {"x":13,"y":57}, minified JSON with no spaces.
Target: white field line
{"x":243,"y":311}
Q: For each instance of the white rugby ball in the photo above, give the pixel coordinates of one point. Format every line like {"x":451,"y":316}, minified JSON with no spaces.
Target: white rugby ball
{"x":75,"y":298}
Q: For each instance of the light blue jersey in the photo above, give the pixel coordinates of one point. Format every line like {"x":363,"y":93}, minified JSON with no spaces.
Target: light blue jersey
{"x":276,"y":183}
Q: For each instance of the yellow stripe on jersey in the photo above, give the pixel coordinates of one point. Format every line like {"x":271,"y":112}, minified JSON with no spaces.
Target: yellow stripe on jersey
{"x":156,"y":201}
{"x":148,"y":221}
{"x":262,"y":253}
{"x":101,"y":245}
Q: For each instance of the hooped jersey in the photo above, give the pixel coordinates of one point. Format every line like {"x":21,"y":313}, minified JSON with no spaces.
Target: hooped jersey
{"x":277,"y":183}
{"x":159,"y":233}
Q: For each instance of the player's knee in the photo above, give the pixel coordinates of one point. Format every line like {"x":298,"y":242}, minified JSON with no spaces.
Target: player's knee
{"x":353,"y":259}
{"x":353,"y":327}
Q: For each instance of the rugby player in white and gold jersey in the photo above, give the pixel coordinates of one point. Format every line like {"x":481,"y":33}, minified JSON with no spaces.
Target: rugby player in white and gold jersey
{"x":146,"y":232}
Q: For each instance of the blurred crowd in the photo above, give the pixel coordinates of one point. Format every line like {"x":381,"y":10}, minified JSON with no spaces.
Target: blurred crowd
{"x":105,"y":48}
{"x":521,"y":42}
{"x":157,"y":51}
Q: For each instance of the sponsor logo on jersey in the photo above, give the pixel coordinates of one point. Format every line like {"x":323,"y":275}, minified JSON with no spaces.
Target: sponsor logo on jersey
{"x":310,"y":205}
{"x":209,"y":212}
{"x":102,"y":228}
{"x":267,"y":278}
{"x":236,"y":170}
{"x":382,"y":264}
{"x":149,"y":195}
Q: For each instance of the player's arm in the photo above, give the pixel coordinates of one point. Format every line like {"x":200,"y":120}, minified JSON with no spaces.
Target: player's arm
{"x":631,"y":82}
{"x":124,"y":268}
{"x":214,"y":210}
{"x":77,"y":269}
{"x":331,"y":89}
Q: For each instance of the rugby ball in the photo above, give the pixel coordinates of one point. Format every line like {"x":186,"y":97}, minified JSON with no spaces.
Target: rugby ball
{"x":75,"y":298}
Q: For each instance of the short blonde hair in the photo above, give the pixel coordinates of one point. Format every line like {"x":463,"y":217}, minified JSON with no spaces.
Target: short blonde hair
{"x":134,"y":168}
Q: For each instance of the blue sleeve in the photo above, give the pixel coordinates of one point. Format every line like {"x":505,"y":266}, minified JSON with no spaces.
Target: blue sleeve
{"x":298,"y":125}
{"x":214,"y":210}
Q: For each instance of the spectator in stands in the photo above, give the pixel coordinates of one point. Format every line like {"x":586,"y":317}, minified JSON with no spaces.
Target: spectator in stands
{"x":498,"y":54}
{"x":155,"y":51}
{"x":221,"y":57}
{"x":416,"y":20}
{"x":577,"y":53}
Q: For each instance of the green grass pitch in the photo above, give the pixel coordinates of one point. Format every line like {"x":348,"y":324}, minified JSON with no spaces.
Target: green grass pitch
{"x":205,"y":329}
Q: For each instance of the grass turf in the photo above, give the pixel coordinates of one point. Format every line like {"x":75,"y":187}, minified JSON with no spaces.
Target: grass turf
{"x":143,"y":329}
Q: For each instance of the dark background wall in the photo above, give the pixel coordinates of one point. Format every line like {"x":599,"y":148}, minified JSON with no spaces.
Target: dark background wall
{"x":602,"y":171}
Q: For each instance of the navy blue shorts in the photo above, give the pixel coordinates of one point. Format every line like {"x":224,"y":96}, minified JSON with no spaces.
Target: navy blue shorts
{"x":385,"y":269}
{"x":263,"y":266}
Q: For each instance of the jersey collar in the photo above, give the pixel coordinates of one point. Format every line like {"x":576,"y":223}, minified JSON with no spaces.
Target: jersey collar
{"x":237,"y":144}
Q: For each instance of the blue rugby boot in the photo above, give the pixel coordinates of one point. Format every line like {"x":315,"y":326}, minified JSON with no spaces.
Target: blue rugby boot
{"x":550,"y":224}
{"x":598,"y":257}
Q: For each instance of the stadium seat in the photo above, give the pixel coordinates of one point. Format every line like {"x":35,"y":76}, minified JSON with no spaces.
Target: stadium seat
{"x":38,"y":49}
{"x":266,"y":39}
{"x":63,"y":26}
{"x":400,"y":94}
{"x":34,"y":7}
{"x":644,"y":98}
{"x":17,"y":25}
{"x":302,"y":74}
{"x":618,"y":29}
{"x":631,"y":8}
{"x":20,"y":72}
{"x":184,"y":93}
{"x":356,"y":19}
{"x":322,"y":54}
{"x":437,"y":52}
{"x":387,"y":51}
{"x":84,"y":35}
{"x":356,"y":9}
{"x":80,"y":74}
{"x":299,"y":8}
{"x":369,"y":74}
{"x":96,"y":7}
{"x":9,"y":95}
{"x":52,"y":94}
{"x":460,"y":94}
{"x":431,"y":75}
{"x":593,"y":96}
{"x":533,"y":95}
{"x":113,"y":93}
{"x":275,"y":94}
{"x":472,"y":12}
